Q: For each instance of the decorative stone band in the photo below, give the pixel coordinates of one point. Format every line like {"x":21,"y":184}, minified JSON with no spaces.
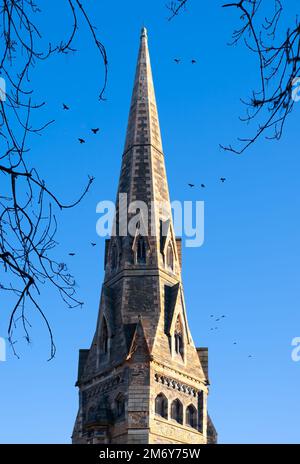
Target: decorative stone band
{"x":175,"y":385}
{"x":102,"y":387}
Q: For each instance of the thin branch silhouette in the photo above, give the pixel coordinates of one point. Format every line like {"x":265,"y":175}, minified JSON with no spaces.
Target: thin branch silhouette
{"x":176,"y":7}
{"x":279,"y":68}
{"x":28,"y":223}
{"x":278,"y":60}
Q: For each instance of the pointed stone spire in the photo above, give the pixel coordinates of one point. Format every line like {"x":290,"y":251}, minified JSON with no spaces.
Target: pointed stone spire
{"x":142,"y":355}
{"x":143,"y":124}
{"x":143,"y":175}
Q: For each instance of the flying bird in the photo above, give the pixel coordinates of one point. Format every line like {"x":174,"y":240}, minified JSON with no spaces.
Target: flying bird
{"x":222,"y":179}
{"x":193,"y":61}
{"x":71,"y":254}
{"x":95,"y":130}
{"x":191,"y":185}
{"x":177,"y":60}
{"x":65,"y":107}
{"x":93,"y":244}
{"x":81,"y":140}
{"x":202,"y":186}
{"x":234,"y":343}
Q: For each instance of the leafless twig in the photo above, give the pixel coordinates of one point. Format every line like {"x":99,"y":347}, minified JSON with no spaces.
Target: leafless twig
{"x":279,"y":67}
{"x":27,"y":205}
{"x":278,"y":58}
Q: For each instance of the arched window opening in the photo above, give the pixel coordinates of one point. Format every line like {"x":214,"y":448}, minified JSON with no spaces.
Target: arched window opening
{"x":104,"y":337}
{"x":178,"y":338}
{"x":114,"y":257}
{"x":191,"y":416}
{"x":141,"y":251}
{"x":170,"y":257}
{"x":161,"y":406}
{"x":120,"y":406}
{"x":177,"y":411}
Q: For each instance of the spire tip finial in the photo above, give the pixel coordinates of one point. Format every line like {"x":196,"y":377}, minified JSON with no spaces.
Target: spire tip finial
{"x":144,"y":32}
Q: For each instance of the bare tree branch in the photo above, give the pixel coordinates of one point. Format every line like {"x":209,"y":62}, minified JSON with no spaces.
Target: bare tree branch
{"x":278,"y":55}
{"x":175,"y":8}
{"x":27,"y":204}
{"x":279,"y":67}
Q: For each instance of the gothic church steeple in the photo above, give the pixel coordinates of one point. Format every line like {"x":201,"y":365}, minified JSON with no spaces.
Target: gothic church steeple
{"x":143,"y":380}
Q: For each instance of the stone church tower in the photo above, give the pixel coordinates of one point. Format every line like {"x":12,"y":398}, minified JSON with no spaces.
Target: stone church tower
{"x":143,"y":380}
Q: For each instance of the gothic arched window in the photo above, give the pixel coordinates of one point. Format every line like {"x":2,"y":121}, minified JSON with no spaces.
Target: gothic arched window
{"x":177,"y":411}
{"x":170,"y":257}
{"x":178,"y":338}
{"x":161,"y":406}
{"x":104,"y":337}
{"x":191,"y":416}
{"x":120,"y":405}
{"x":141,"y":251}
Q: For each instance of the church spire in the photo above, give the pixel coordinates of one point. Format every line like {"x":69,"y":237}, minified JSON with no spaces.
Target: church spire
{"x":143,"y":175}
{"x":143,"y":124}
{"x":143,"y":380}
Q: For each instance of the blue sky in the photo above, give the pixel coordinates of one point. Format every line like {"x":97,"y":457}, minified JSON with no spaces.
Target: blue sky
{"x":248,"y":267}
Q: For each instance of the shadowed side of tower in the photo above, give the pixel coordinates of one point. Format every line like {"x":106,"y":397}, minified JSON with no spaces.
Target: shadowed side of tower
{"x":143,"y":380}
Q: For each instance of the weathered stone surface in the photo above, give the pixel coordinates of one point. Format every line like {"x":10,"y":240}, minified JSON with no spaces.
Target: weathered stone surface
{"x":142,"y":347}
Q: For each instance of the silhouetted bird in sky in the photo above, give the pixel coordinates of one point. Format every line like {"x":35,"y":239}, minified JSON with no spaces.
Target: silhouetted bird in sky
{"x":223,"y":316}
{"x":81,"y":140}
{"x":177,"y":60}
{"x":93,"y":244}
{"x":65,"y":107}
{"x":222,"y":179}
{"x":211,"y":315}
{"x":95,"y":130}
{"x":234,"y":343}
{"x":217,"y":320}
{"x":191,"y":185}
{"x":193,"y":61}
{"x":71,"y":254}
{"x":202,"y":185}
{"x":250,"y":356}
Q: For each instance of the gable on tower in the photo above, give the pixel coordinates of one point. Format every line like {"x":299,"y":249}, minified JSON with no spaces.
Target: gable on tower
{"x":143,"y":380}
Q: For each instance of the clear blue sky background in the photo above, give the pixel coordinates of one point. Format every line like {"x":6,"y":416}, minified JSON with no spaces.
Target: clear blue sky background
{"x":248,"y":267}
